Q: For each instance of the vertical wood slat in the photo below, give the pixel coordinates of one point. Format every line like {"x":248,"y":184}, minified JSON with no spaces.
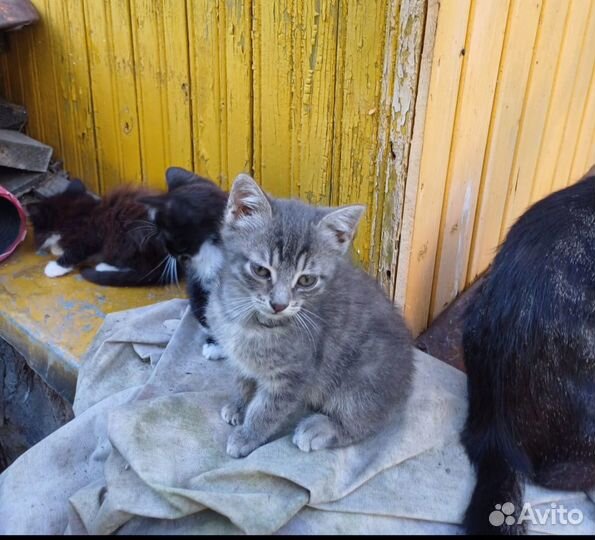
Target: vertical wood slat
{"x":160,"y":49}
{"x":360,"y":87}
{"x":508,"y":103}
{"x":577,"y":108}
{"x":412,"y":179}
{"x":558,"y":109}
{"x":30,"y":81}
{"x":398,"y":106}
{"x":207,"y":124}
{"x":439,"y":119}
{"x":581,"y":160}
{"x":537,"y":98}
{"x":79,"y":151}
{"x":42,"y":53}
{"x":114,"y":92}
{"x":313,"y":82}
{"x":238,"y":88}
{"x":273,"y":95}
{"x":484,"y":47}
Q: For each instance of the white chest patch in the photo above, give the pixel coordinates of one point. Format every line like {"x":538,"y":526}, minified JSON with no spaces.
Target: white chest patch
{"x":207,"y":264}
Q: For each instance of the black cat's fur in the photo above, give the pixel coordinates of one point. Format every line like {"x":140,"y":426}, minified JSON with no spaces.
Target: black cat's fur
{"x":188,"y":218}
{"x":529,"y":347}
{"x":85,"y":231}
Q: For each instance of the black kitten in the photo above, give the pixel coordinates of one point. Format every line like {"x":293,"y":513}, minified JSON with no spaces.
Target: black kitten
{"x":105,"y":237}
{"x":188,"y":218}
{"x":529,"y":345}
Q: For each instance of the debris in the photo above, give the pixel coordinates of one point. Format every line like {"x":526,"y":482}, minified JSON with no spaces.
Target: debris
{"x":22,"y":152}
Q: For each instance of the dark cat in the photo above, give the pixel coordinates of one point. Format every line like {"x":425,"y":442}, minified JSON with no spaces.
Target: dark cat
{"x":112,"y":234}
{"x":529,"y":345}
{"x":188,"y":218}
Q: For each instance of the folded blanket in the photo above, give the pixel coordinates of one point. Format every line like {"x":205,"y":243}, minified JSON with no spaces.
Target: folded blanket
{"x":145,"y":454}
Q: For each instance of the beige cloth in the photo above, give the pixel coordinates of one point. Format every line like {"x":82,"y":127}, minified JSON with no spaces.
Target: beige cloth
{"x":145,"y":454}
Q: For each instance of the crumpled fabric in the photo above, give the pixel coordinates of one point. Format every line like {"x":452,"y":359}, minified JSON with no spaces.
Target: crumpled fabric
{"x":145,"y":454}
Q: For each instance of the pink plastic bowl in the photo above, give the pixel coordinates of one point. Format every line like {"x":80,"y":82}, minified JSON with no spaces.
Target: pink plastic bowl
{"x":13,"y":223}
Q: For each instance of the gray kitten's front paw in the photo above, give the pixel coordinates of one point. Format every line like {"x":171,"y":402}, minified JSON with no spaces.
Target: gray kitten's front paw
{"x":213,"y":351}
{"x":315,"y":432}
{"x":232,"y":414}
{"x":241,"y":442}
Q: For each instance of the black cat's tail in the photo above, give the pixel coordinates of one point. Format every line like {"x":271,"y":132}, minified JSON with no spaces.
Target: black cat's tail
{"x":497,"y":499}
{"x":118,"y":278}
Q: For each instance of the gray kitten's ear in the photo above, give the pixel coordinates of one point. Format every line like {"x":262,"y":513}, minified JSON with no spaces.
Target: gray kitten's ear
{"x":247,"y":205}
{"x":339,"y":226}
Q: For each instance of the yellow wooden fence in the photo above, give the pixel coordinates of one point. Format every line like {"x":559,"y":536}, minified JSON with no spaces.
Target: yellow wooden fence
{"x":509,"y":117}
{"x":332,"y":101}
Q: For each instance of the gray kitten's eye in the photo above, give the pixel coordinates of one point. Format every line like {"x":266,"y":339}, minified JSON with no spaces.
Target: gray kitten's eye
{"x":260,"y":271}
{"x":307,"y":281}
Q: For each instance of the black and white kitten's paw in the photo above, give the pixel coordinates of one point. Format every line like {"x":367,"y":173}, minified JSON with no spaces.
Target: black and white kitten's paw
{"x":233,"y":414}
{"x":315,"y":432}
{"x":53,"y":269}
{"x":242,"y":442}
{"x":211,"y":350}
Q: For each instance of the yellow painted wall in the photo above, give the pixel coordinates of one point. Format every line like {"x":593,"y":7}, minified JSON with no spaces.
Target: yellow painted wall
{"x":510,"y":117}
{"x":300,"y":93}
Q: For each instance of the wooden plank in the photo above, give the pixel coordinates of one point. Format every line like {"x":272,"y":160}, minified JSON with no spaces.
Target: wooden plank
{"x":439,"y":117}
{"x":582,"y":161}
{"x":203,"y":34}
{"x":482,"y":58}
{"x":73,"y":82}
{"x":5,"y":81}
{"x":385,"y":152}
{"x":398,"y":103}
{"x":537,"y":99}
{"x":273,"y":96}
{"x":46,"y":37}
{"x":415,"y":155}
{"x":360,"y":88}
{"x":577,"y":108}
{"x":566,"y":74}
{"x":313,"y":84}
{"x":27,"y":64}
{"x":114,"y":92}
{"x":514,"y":68}
{"x":238,"y":89}
{"x":160,"y":44}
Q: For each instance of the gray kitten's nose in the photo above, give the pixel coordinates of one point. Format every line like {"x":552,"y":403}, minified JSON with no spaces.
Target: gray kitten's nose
{"x":278,"y":308}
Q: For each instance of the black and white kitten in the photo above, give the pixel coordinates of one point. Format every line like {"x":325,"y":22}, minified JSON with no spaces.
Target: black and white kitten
{"x":188,"y":218}
{"x":108,"y":238}
{"x":529,"y":346}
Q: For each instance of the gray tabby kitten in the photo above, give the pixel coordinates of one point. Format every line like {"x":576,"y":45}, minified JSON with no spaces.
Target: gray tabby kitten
{"x":302,"y":326}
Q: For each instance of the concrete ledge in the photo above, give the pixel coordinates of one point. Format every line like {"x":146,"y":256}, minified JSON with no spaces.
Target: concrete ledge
{"x":52,"y":322}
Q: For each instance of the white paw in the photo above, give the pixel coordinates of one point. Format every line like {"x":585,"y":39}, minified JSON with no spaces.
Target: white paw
{"x":241,"y":442}
{"x":315,"y":433}
{"x":213,"y":351}
{"x":232,"y":415}
{"x":53,"y":269}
